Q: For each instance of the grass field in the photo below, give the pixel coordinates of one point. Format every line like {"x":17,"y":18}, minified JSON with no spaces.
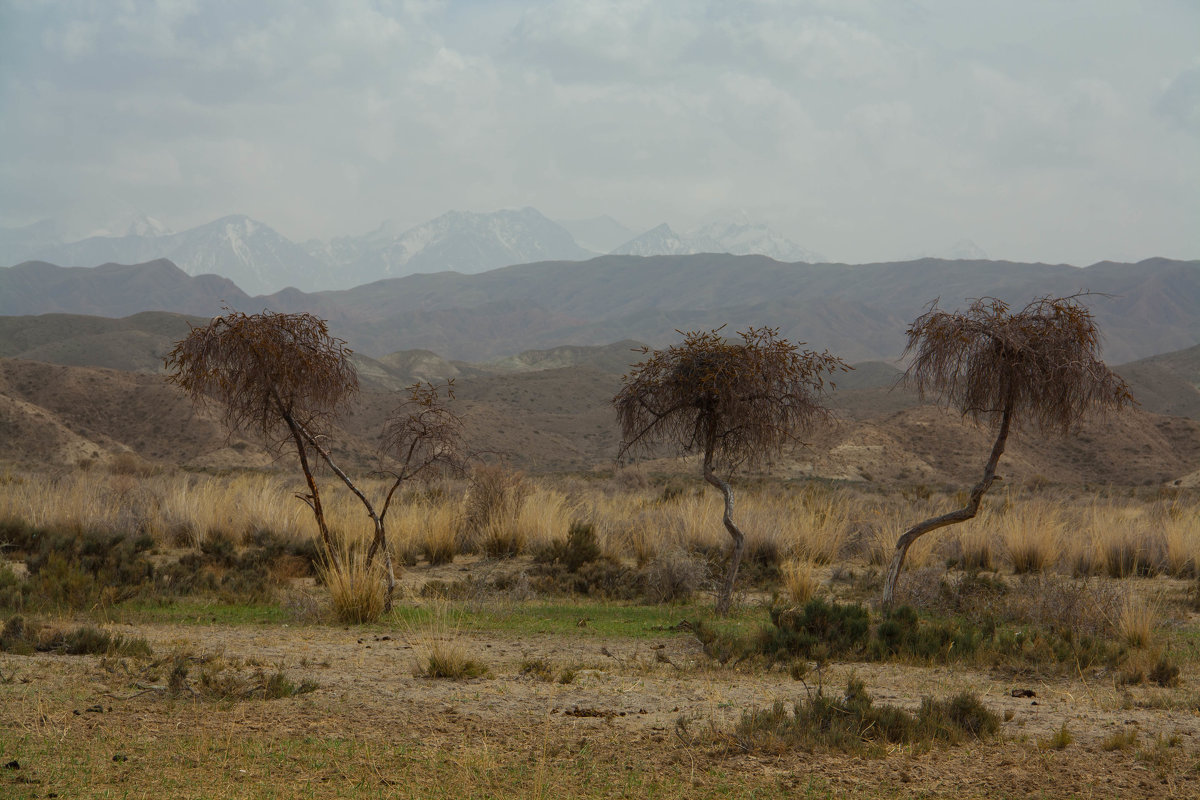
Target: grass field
{"x":590,"y":664}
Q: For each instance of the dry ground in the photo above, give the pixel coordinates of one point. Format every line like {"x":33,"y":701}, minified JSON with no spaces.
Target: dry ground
{"x":642,"y":717}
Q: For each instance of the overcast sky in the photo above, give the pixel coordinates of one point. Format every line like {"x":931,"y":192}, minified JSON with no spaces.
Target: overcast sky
{"x":1041,"y":130}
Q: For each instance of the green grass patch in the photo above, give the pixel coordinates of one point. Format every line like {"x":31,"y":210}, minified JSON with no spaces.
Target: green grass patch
{"x":199,"y":612}
{"x":600,"y":619}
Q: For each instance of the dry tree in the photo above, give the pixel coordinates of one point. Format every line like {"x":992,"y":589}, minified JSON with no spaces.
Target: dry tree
{"x":1039,"y":366}
{"x":285,"y":376}
{"x":732,"y":402}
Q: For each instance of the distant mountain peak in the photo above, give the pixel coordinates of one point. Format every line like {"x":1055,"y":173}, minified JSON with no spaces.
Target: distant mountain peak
{"x":739,"y":238}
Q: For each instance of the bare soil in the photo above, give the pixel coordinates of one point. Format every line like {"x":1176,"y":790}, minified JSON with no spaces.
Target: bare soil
{"x":661,"y":700}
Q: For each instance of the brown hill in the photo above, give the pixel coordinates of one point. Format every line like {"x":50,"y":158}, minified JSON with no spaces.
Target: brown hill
{"x":1168,"y":383}
{"x":561,"y":419}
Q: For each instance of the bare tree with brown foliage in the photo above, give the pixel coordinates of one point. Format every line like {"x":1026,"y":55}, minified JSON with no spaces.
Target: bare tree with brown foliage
{"x":733,"y":402}
{"x":421,"y":436}
{"x":1039,"y":365}
{"x":283,"y":375}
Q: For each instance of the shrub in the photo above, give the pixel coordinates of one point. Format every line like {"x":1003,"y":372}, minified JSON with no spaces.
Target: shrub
{"x":22,"y":637}
{"x":854,"y":720}
{"x":903,"y":633}
{"x":817,"y":628}
{"x":579,"y":548}
{"x":672,"y":577}
{"x":493,"y":505}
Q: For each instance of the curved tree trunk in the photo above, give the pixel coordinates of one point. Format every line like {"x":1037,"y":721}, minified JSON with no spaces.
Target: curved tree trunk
{"x":725,"y":598}
{"x":961,"y":515}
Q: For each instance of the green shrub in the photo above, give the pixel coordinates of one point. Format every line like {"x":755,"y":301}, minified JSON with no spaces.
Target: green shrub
{"x":903,"y":633}
{"x":818,"y":628}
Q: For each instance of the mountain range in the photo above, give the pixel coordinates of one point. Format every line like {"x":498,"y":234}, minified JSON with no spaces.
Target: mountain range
{"x":261,"y":260}
{"x":858,"y":312}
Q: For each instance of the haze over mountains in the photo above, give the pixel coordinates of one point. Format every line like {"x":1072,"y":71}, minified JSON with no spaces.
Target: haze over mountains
{"x":261,"y":260}
{"x":859,"y":312}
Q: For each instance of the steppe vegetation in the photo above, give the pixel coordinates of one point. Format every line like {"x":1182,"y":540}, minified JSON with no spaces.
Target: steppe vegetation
{"x":186,"y":632}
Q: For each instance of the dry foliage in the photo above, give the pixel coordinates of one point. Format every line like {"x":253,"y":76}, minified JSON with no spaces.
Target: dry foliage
{"x":274,"y":373}
{"x":1039,"y":365}
{"x":266,"y":371}
{"x":733,"y":402}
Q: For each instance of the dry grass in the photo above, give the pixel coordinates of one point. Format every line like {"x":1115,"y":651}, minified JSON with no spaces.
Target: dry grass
{"x":799,"y":581}
{"x":1138,"y":620}
{"x":1031,"y":533}
{"x":357,"y":592}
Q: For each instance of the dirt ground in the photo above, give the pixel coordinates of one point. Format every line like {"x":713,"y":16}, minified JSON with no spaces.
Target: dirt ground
{"x":661,"y":700}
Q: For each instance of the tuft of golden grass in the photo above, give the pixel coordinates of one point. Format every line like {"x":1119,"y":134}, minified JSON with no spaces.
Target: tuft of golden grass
{"x":1031,"y":533}
{"x":799,"y":580}
{"x":357,"y":592}
{"x":1137,"y":620}
{"x":440,"y":650}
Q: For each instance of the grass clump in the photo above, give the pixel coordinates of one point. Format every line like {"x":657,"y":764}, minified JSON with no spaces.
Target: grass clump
{"x":1060,"y":740}
{"x":214,"y":678}
{"x":22,"y":637}
{"x":356,"y":589}
{"x":449,"y":660}
{"x":853,"y":721}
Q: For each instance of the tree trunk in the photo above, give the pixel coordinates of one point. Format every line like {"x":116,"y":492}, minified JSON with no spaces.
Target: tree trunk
{"x":300,"y":436}
{"x":725,"y":598}
{"x":961,"y":515}
{"x":379,"y":540}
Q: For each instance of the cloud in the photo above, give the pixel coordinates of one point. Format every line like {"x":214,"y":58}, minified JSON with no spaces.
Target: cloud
{"x":866,"y":130}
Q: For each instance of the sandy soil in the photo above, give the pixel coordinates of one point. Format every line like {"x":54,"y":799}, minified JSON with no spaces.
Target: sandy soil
{"x":633,"y":694}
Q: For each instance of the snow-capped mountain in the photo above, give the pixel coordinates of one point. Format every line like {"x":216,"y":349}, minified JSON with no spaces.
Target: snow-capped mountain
{"x":458,"y":241}
{"x":254,"y":256}
{"x":735,"y":238}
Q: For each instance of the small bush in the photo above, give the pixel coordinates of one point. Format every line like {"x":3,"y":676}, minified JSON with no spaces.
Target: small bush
{"x":903,"y":633}
{"x":851,"y":722}
{"x":817,"y":628}
{"x":672,"y":577}
{"x":579,"y":548}
{"x":1164,"y":672}
{"x":1121,"y":740}
{"x":21,"y":637}
{"x":1061,"y":739}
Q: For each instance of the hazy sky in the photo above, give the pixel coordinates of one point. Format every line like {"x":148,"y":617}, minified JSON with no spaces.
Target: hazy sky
{"x":1041,"y":130}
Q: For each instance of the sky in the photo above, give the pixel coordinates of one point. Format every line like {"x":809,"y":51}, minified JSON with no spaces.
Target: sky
{"x":1064,"y":132}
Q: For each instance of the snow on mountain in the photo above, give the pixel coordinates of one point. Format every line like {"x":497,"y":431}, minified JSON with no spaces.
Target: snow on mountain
{"x":743,"y":239}
{"x":735,"y":238}
{"x":660,"y":241}
{"x":254,"y":256}
{"x":458,"y":241}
